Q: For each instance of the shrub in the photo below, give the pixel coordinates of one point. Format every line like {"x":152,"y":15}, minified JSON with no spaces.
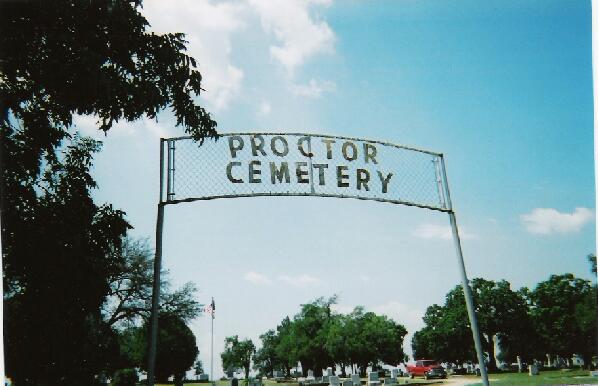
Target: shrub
{"x":125,"y":377}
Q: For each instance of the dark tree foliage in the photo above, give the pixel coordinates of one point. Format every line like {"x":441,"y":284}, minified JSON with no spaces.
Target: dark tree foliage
{"x":198,"y":366}
{"x":129,"y":300}
{"x":310,"y":327}
{"x":237,"y":354}
{"x":91,"y":57}
{"x":446,"y":335}
{"x":563,"y":310}
{"x":557,"y":317}
{"x":60,"y":58}
{"x":266,"y":359}
{"x":177,"y":348}
{"x":361,"y":339}
{"x":55,"y":247}
{"x":500,"y":312}
{"x":592,"y":261}
{"x":318,"y":338}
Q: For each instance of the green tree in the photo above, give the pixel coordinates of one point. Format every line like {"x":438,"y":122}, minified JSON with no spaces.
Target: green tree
{"x":317,"y":337}
{"x":266,"y":359}
{"x":338,"y":340}
{"x":198,"y":367}
{"x":177,"y":348}
{"x":592,"y":261}
{"x":129,"y":301}
{"x":373,"y":340}
{"x":286,"y":349}
{"x":237,"y":354}
{"x":587,"y":326}
{"x":563,"y":310}
{"x":446,"y":335}
{"x":310,"y":327}
{"x":62,"y":58}
{"x":57,"y":247}
{"x":500,"y":312}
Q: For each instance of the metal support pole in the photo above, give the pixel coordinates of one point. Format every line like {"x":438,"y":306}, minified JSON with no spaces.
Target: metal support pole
{"x":212,"y":349}
{"x":464,"y":282}
{"x":469,"y":300}
{"x":151,"y":357}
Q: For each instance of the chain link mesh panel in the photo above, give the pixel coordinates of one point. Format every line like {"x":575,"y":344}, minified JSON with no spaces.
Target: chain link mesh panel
{"x":263,"y":164}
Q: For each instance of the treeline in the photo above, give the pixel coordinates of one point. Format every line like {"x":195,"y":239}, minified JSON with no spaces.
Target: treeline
{"x":72,"y":298}
{"x":318,"y":338}
{"x":555,"y":319}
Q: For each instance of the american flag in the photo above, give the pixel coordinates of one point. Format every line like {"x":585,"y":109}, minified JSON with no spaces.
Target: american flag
{"x":211,"y":309}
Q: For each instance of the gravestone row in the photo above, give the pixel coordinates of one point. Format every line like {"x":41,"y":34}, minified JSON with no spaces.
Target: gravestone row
{"x":355,"y":380}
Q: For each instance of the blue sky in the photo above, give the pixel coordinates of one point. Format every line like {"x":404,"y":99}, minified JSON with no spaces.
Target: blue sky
{"x":502,"y":88}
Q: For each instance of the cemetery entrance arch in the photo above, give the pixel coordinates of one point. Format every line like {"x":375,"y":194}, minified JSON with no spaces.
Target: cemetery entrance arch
{"x":297,"y":164}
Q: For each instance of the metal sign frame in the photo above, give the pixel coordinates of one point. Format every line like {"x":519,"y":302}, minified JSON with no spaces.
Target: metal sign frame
{"x":167,"y":186}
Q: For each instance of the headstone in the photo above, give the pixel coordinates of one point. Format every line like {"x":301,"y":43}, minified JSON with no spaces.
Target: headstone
{"x":347,"y":382}
{"x":394,"y":373}
{"x":373,"y":378}
{"x":519,"y":364}
{"x":204,"y":377}
{"x":278,"y":374}
{"x":334,"y":380}
{"x":329,"y":371}
{"x":310,"y":376}
{"x":234,"y":382}
{"x":533,"y":370}
{"x":255,"y":382}
{"x":594,"y":373}
{"x":356,"y":379}
{"x":390,"y":381}
{"x":325,"y":378}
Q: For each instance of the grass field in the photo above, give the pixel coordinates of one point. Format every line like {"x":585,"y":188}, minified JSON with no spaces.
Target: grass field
{"x":555,"y":377}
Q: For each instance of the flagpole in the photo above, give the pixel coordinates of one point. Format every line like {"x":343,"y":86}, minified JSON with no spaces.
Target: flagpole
{"x":212,"y":347}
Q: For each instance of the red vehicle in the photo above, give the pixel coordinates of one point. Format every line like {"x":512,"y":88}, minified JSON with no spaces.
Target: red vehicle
{"x":426,"y":368}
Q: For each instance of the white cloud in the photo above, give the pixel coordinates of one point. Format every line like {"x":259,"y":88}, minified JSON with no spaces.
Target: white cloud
{"x":546,"y":221}
{"x":300,"y":280}
{"x":313,"y":89}
{"x":440,"y":232}
{"x":365,"y":278}
{"x":300,"y":34}
{"x":264,"y":109}
{"x":88,"y":125}
{"x":257,"y":278}
{"x":209,"y":27}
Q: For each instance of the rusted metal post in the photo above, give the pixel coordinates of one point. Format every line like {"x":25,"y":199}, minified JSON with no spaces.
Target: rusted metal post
{"x":152,"y":346}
